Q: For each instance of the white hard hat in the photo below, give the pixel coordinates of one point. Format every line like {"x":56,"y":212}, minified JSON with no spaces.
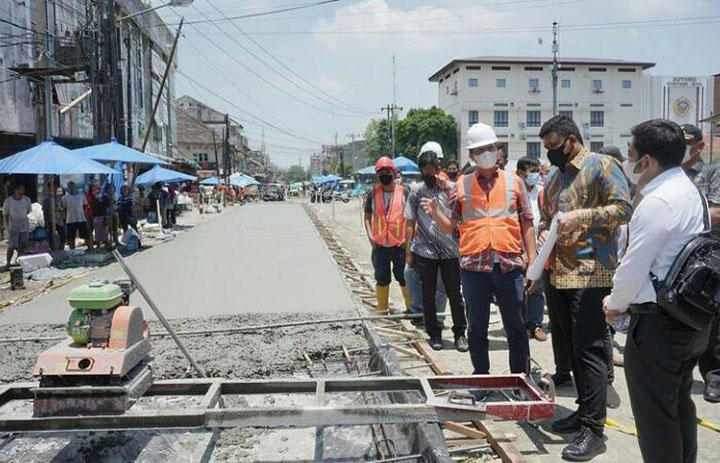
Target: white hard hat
{"x":480,"y":135}
{"x":434,"y":147}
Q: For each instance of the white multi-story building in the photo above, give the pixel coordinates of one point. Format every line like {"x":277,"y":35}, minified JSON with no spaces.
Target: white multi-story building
{"x":605,"y":97}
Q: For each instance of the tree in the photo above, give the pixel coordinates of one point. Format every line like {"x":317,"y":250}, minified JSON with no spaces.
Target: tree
{"x":296,"y":174}
{"x":376,"y":140}
{"x":423,"y":125}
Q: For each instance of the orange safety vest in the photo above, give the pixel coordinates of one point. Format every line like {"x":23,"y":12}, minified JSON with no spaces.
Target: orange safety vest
{"x":389,"y":228}
{"x":489,"y":220}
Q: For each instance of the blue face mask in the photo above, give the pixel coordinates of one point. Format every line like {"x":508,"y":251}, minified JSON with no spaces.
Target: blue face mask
{"x":532,"y":178}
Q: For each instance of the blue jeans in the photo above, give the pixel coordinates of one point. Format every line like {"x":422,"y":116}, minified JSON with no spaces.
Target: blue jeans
{"x":509,"y":291}
{"x":534,"y":307}
{"x":414,"y":285}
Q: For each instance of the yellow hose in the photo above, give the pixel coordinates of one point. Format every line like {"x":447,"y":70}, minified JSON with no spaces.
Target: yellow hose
{"x":709,"y":425}
{"x":612,"y":424}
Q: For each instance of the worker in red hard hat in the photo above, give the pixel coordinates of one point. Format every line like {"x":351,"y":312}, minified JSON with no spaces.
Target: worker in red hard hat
{"x":385,"y":227}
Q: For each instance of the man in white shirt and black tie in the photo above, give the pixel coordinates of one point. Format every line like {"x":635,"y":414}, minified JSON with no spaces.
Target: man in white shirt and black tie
{"x":661,"y":352}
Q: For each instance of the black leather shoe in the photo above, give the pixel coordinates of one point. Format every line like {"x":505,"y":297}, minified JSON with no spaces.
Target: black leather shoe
{"x":712,"y":387}
{"x":613,"y":399}
{"x":567,"y":425}
{"x":585,"y":446}
{"x":436,"y":342}
{"x":562,"y":380}
{"x":461,"y":343}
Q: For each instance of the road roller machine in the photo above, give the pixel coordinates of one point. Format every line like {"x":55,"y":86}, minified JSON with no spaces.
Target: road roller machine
{"x":103,"y":366}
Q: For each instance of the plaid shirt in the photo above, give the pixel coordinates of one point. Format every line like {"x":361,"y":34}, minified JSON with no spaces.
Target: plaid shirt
{"x":486,"y":260}
{"x":595,"y":186}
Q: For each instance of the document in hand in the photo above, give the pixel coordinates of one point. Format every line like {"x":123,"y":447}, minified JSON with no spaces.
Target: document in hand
{"x":536,"y":269}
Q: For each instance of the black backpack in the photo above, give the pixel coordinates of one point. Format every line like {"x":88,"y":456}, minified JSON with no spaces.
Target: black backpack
{"x":690,"y":292}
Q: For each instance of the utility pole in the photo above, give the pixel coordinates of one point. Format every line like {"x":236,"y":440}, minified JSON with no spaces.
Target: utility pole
{"x":352,"y":147}
{"x":341,"y":155}
{"x":116,"y":91}
{"x":47,"y":80}
{"x":217,"y":161}
{"x":390,"y":109}
{"x":128,"y":78}
{"x":226,"y":151}
{"x":555,"y":66}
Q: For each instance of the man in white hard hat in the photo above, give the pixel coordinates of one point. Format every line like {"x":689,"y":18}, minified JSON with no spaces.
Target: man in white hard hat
{"x":490,"y":208}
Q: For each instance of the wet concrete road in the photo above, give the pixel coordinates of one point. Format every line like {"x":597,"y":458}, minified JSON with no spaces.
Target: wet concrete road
{"x":254,"y":258}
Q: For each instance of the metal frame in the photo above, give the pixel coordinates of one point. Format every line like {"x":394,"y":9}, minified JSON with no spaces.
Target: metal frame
{"x":431,"y":408}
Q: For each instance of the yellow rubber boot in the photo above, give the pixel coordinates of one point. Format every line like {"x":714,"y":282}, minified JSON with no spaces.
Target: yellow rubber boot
{"x":406,"y":296}
{"x":382,"y":293}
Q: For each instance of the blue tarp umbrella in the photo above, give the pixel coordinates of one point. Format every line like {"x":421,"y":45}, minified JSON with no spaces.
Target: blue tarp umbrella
{"x":405,"y":165}
{"x":369,"y":170}
{"x":210,"y":181}
{"x":49,"y":158}
{"x":243,"y":181}
{"x":323,"y":179}
{"x":115,"y":152}
{"x":162,"y":175}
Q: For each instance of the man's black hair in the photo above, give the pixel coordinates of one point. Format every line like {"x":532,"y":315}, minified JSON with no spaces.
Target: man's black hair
{"x":612,"y":151}
{"x":526,"y":162}
{"x":453,"y":162}
{"x":428,"y":158}
{"x":561,"y":125}
{"x":662,"y":140}
{"x":18,"y":185}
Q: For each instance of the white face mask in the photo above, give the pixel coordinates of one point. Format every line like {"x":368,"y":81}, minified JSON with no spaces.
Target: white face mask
{"x":629,"y":170}
{"x":486,"y":160}
{"x":532,"y":178}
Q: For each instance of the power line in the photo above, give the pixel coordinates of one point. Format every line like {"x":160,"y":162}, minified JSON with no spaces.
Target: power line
{"x":261,"y":78}
{"x":267,"y":124}
{"x":289,"y":69}
{"x":255,"y":15}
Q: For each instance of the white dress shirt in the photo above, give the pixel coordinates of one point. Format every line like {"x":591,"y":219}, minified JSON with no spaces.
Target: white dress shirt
{"x":534,"y":200}
{"x":668,"y":217}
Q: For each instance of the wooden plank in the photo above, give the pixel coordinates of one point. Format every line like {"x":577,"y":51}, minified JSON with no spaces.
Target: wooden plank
{"x":465,"y":442}
{"x":507,"y":452}
{"x":403,"y":334}
{"x":422,"y":347}
{"x":406,"y":351}
{"x":320,"y":392}
{"x":462,"y":429}
{"x":212,"y":396}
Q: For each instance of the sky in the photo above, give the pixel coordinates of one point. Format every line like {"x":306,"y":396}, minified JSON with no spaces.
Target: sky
{"x":304,"y":77}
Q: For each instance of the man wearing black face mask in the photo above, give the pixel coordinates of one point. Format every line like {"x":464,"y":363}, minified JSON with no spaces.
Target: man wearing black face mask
{"x":593,"y":194}
{"x":453,"y":170}
{"x":431,"y":249}
{"x":385,"y":228}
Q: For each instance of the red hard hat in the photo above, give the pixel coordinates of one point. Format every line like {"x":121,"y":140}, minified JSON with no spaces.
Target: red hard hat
{"x":384,"y":162}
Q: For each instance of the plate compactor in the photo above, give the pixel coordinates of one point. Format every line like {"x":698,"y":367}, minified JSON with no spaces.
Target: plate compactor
{"x":104,"y":366}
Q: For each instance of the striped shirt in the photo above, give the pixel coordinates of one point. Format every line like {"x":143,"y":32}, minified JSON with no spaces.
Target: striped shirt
{"x":430,"y":241}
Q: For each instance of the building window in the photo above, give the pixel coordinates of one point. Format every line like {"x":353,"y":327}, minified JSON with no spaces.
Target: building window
{"x":473,"y":117}
{"x":200,"y":157}
{"x":565,"y":83}
{"x":501,"y":119}
{"x":534,"y":85}
{"x":597,"y":118}
{"x":597,"y":85}
{"x":472,"y":83}
{"x":533,"y":149}
{"x":500,"y":83}
{"x":533,"y":119}
{"x":627,"y":83}
{"x":596,"y":145}
{"x":568,"y":114}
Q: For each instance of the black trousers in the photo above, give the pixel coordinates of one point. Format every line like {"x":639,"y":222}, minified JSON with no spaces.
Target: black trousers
{"x":579,"y":313}
{"x":710,"y":359}
{"x":561,"y":339}
{"x":660,"y":356}
{"x":382,"y":259}
{"x":450,"y":273}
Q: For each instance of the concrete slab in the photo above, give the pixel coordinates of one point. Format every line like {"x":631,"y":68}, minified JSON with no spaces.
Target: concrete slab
{"x":255,"y":258}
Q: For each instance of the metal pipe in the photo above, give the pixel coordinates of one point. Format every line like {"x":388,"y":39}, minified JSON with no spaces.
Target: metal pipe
{"x":157,"y":313}
{"x":244,"y":329}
